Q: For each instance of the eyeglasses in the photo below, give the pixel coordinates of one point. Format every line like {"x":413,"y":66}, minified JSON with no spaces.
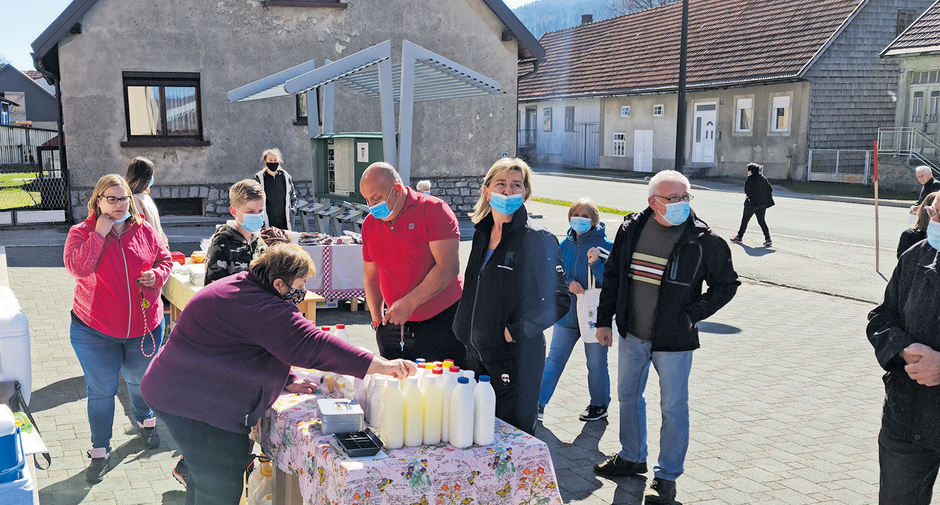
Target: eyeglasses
{"x":677,"y":199}
{"x":113,"y":200}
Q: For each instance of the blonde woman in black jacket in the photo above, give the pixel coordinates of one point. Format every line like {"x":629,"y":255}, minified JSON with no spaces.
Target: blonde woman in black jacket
{"x":514,"y":288}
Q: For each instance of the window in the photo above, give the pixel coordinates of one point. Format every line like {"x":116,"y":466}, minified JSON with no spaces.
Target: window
{"x":905,"y":18}
{"x":162,"y":107}
{"x":625,"y":111}
{"x":780,"y":114}
{"x":657,"y":110}
{"x":547,"y":120}
{"x":743,"y":115}
{"x":301,"y":106}
{"x":569,"y":119}
{"x":932,"y":107}
{"x":4,"y":113}
{"x":917,"y":107}
{"x":620,"y":144}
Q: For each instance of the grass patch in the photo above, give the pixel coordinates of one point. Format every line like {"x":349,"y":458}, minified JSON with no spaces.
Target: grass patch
{"x":843,"y":189}
{"x":605,"y":210}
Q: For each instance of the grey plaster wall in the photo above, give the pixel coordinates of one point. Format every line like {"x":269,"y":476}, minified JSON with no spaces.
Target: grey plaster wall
{"x":232,"y":43}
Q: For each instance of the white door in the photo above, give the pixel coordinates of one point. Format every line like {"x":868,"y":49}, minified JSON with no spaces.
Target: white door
{"x":703,"y":138}
{"x":643,"y":151}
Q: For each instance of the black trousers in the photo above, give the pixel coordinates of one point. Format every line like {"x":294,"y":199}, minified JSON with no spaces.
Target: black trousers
{"x":751,"y":211}
{"x":908,"y":471}
{"x":516,"y":376}
{"x":432,"y":339}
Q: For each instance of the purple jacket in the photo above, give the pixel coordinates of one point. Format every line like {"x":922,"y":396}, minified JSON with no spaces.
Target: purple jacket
{"x":229,"y":355}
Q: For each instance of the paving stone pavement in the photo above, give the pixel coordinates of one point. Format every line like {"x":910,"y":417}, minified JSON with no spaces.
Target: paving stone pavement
{"x":785,"y":399}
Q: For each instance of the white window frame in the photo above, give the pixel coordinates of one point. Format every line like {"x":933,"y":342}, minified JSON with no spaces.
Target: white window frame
{"x":932,"y":107}
{"x":624,"y":111}
{"x":780,"y":102}
{"x":659,"y":109}
{"x":917,"y":106}
{"x":741,"y":104}
{"x":620,"y":145}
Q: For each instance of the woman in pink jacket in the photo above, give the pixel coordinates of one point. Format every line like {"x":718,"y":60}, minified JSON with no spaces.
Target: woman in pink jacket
{"x":119,"y":263}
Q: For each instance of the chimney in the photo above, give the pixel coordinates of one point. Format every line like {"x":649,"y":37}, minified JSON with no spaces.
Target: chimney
{"x":587,"y":19}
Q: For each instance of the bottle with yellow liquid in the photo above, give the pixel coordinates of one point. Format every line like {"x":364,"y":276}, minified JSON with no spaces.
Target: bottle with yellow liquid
{"x":433,"y":407}
{"x":414,"y":413}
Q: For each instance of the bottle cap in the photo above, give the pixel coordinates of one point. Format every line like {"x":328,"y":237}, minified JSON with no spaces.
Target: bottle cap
{"x":325,"y":328}
{"x":447,"y":363}
{"x":454,"y":369}
{"x":484,"y":378}
{"x":463,"y":380}
{"x":429,"y":366}
{"x":420,"y":362}
{"x":412,"y":380}
{"x":438,"y":371}
{"x":340,"y":326}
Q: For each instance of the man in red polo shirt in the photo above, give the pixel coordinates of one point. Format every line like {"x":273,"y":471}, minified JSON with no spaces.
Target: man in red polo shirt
{"x":410,"y":255}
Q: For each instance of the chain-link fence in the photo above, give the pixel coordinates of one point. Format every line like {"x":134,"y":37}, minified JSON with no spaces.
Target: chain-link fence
{"x":31,"y":177}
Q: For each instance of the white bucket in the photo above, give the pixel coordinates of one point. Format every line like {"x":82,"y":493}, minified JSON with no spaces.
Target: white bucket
{"x":14,"y":343}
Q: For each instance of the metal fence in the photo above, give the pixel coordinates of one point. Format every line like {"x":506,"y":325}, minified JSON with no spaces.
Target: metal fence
{"x":18,"y":144}
{"x":839,"y":165}
{"x":31,"y":177}
{"x":914,"y":144}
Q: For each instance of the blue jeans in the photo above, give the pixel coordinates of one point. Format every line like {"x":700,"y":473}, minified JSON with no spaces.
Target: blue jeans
{"x":103,"y":358}
{"x":634,"y":358}
{"x":216,"y":459}
{"x":563,"y":342}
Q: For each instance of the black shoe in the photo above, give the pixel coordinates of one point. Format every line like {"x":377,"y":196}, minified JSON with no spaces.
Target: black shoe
{"x":99,"y":466}
{"x":181,"y":472}
{"x":661,"y":491}
{"x":615,"y":465}
{"x":149,"y":435}
{"x":768,"y":243}
{"x":593,"y":413}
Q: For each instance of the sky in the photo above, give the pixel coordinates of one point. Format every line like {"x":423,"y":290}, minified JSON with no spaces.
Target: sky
{"x":23,"y":21}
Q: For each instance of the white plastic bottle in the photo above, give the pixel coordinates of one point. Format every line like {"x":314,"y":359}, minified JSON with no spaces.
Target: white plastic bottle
{"x":393,"y":416}
{"x":260,"y":482}
{"x":375,"y":402}
{"x":414,"y":413}
{"x":433,"y":408}
{"x":469,"y":374}
{"x":340,"y":333}
{"x":484,"y":412}
{"x":449,"y":383}
{"x":461,"y":415}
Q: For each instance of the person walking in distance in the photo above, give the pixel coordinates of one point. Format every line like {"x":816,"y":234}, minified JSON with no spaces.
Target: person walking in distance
{"x":760,"y":197}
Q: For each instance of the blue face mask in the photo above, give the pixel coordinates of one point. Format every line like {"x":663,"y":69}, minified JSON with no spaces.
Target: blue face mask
{"x":505,"y":205}
{"x":676,"y":213}
{"x":381,"y":210}
{"x":580,"y":225}
{"x":933,"y":234}
{"x":123,"y":218}
{"x":151,"y":182}
{"x":427,"y":192}
{"x":252,"y":222}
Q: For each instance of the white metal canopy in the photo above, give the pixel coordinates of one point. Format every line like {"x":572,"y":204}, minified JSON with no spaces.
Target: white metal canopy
{"x":421,"y":76}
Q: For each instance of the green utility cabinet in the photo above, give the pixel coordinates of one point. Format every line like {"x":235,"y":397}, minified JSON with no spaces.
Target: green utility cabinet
{"x":341,"y":160}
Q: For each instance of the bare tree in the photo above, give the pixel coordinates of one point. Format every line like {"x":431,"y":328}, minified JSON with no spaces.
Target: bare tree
{"x":627,"y":6}
{"x":4,"y":60}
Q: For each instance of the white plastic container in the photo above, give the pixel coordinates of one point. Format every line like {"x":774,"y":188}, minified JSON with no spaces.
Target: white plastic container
{"x":375,"y":403}
{"x":449,"y":382}
{"x":260,"y":484}
{"x":414,"y":413}
{"x":14,"y":343}
{"x":484,"y":412}
{"x":461,"y":415}
{"x":469,"y":374}
{"x":16,"y":486}
{"x":433,"y":408}
{"x":340,"y":333}
{"x":393,"y":416}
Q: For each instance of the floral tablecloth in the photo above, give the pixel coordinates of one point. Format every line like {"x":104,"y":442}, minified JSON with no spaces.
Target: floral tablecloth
{"x":516,"y":469}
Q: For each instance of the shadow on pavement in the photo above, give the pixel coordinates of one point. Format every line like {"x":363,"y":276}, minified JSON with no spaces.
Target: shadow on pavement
{"x":35,"y":256}
{"x":757,"y":251}
{"x":58,"y":393}
{"x":717,"y":328}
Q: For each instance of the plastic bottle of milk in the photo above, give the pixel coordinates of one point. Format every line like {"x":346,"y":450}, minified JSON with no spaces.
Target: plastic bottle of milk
{"x":484,"y":412}
{"x":469,"y":374}
{"x":433,"y":407}
{"x":340,"y":333}
{"x":461,"y":415}
{"x":393,"y":415}
{"x":260,"y":482}
{"x":375,"y":402}
{"x":414,"y":413}
{"x":449,"y":383}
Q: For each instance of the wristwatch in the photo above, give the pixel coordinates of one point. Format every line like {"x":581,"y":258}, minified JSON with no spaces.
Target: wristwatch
{"x":375,"y":325}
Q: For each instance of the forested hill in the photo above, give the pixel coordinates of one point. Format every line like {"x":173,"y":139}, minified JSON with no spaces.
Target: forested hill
{"x":549,"y":15}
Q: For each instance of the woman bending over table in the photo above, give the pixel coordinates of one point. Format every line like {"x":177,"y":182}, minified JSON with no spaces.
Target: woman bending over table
{"x":119,"y":263}
{"x":229,"y":358}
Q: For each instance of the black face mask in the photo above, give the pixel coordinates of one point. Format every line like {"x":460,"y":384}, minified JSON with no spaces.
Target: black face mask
{"x":272,"y":166}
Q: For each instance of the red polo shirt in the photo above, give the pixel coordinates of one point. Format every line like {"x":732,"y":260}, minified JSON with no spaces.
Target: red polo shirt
{"x":401,"y":252}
